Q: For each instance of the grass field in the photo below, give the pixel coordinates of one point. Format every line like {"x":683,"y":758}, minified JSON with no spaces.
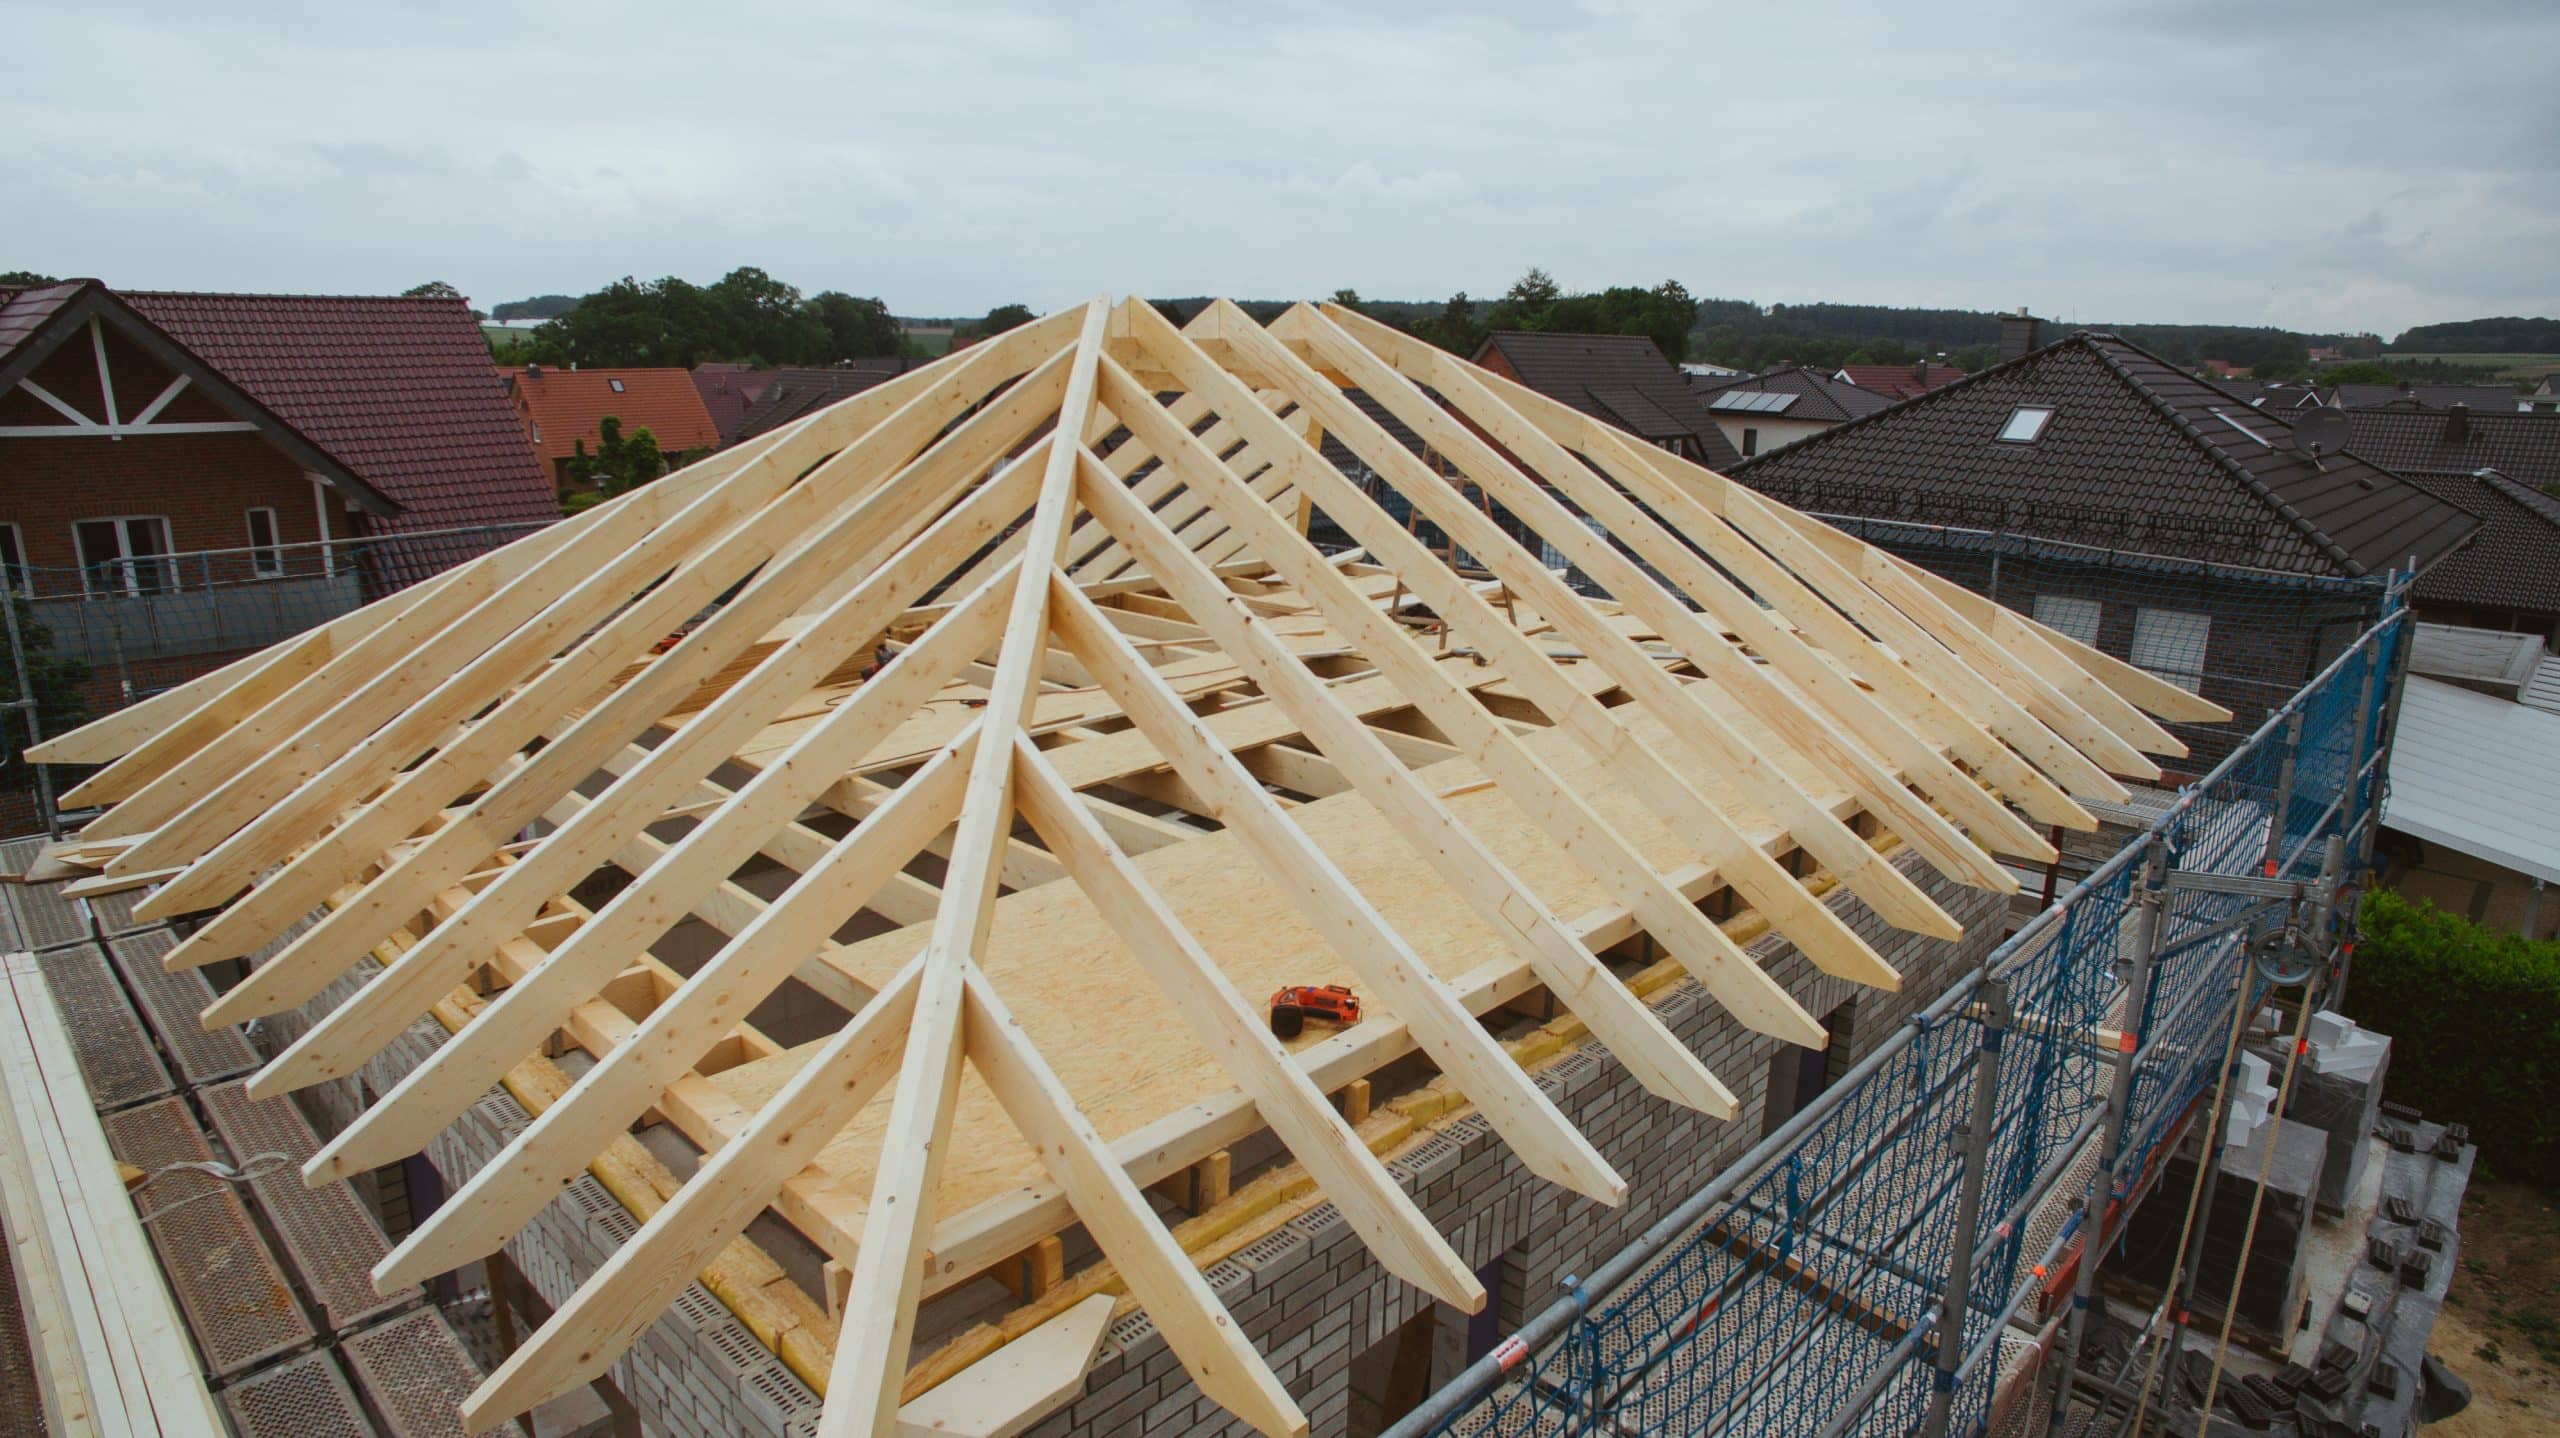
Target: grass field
{"x":2509,"y":366}
{"x":933,"y":339}
{"x":503,"y":338}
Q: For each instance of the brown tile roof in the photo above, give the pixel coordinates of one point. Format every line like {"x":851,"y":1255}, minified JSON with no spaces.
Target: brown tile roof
{"x":392,"y":393}
{"x":2514,"y":562}
{"x":727,"y":389}
{"x":1900,"y":381}
{"x":1818,"y":397}
{"x":2437,"y":397}
{"x":794,"y":393}
{"x":2500,"y":466}
{"x":1622,"y":379}
{"x":2137,"y":455}
{"x":2523,"y":447}
{"x":563,"y":406}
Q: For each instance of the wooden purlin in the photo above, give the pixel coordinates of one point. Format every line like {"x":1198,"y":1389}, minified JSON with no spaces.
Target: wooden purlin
{"x":396,"y":799}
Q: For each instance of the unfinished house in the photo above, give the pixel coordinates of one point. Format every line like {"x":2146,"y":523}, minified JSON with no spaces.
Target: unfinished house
{"x":825,"y":918}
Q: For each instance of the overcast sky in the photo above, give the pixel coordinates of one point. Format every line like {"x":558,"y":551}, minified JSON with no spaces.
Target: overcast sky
{"x":2339,"y":165}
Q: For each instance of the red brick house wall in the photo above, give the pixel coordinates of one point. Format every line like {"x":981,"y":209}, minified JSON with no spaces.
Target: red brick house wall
{"x":204,"y":485}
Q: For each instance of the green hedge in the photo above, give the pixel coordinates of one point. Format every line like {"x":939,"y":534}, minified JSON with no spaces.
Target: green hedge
{"x":2474,"y":1020}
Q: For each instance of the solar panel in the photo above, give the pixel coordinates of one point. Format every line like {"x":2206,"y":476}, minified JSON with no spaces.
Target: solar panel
{"x":1752,"y":401}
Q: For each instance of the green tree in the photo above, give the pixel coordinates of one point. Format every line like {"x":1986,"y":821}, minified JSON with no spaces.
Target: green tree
{"x":53,"y":678}
{"x":20,"y":279}
{"x":431,"y":290}
{"x":1455,"y":328}
{"x":2359,"y":372}
{"x":1000,"y":319}
{"x":620,"y":464}
{"x":856,"y":328}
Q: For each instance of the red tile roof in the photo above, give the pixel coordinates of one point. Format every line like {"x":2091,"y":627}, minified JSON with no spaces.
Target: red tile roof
{"x":395,"y":391}
{"x":562,"y":406}
{"x":1900,"y":381}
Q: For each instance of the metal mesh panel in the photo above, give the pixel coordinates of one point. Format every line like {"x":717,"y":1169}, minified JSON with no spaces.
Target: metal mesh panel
{"x":328,"y":1237}
{"x":306,"y":1398}
{"x":45,"y":919}
{"x":115,"y":911}
{"x":171,"y":1004}
{"x":18,"y":855}
{"x":417,"y":1375}
{"x":228,"y":1285}
{"x":116,"y":1058}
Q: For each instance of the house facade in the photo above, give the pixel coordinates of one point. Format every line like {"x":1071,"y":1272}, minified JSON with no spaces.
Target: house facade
{"x":188,"y":476}
{"x":1759,"y":413}
{"x":2133,"y":506}
{"x":563,"y":411}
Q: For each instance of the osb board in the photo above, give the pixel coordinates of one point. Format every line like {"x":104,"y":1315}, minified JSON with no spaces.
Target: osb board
{"x":1098,"y":1020}
{"x":947,"y":713}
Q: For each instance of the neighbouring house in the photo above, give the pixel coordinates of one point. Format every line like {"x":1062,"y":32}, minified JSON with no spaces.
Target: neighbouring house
{"x":2482,"y":398}
{"x":2475,"y":779}
{"x":194,"y":475}
{"x":2224,"y":369}
{"x":2133,"y":506}
{"x":2503,"y":467}
{"x":1900,"y":381}
{"x":727,"y":390}
{"x":2545,"y":397}
{"x":2285,"y":394}
{"x":1623,"y":380}
{"x":564,"y":410}
{"x":793,"y":394}
{"x":1760,"y":413}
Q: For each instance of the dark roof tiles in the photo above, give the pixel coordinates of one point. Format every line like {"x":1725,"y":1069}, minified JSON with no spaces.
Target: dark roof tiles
{"x":2138,"y":455}
{"x":1622,"y":379}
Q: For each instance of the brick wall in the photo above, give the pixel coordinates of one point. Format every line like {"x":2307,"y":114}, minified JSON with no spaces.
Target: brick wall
{"x":203,"y":484}
{"x":1309,"y":1294}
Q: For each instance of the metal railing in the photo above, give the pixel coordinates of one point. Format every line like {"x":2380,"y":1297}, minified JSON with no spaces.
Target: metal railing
{"x":1953,"y":1170}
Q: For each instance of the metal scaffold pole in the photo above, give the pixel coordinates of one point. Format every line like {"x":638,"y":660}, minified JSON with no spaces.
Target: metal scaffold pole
{"x":2150,"y":898}
{"x":1993,"y":1007}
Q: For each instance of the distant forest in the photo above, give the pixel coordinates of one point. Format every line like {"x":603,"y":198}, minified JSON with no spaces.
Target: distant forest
{"x":751,"y":316}
{"x":2504,"y":335}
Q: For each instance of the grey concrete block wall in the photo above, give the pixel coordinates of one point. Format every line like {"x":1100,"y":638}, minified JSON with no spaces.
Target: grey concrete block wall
{"x":1310,"y":1295}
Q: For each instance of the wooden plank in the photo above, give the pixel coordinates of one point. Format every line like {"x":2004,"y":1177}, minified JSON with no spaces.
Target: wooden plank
{"x":1016,"y":1386}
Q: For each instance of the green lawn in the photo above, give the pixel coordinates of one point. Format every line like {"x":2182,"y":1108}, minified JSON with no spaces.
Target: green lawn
{"x":503,"y":338}
{"x":934,"y":339}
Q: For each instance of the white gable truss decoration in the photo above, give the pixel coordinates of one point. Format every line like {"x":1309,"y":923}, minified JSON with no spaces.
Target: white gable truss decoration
{"x":1081,"y":546}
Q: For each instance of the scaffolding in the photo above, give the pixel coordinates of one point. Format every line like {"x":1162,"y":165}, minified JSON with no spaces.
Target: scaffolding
{"x":1957,"y":1169}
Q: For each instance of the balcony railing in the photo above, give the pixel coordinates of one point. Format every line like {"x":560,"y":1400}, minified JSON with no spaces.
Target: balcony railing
{"x":210,"y":601}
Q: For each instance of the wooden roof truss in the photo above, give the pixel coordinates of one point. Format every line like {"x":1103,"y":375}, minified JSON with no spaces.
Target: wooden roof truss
{"x":474,"y":748}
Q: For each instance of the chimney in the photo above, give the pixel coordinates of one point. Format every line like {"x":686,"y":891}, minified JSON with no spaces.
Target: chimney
{"x":533,"y":371}
{"x":2018,"y":333}
{"x":1920,"y":372}
{"x":2457,"y":424}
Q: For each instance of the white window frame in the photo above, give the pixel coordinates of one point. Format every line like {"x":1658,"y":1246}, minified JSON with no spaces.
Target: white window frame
{"x":266,"y":560}
{"x":2072,"y":615}
{"x":2161,"y":635}
{"x":125,"y":559}
{"x":2043,"y":420}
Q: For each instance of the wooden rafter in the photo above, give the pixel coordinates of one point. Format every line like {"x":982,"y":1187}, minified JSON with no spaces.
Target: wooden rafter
{"x":1043,"y":618}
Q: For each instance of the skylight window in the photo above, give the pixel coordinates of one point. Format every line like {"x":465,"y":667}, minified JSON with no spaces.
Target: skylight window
{"x":616,"y":384}
{"x":2025,"y":424}
{"x":2227,"y":418}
